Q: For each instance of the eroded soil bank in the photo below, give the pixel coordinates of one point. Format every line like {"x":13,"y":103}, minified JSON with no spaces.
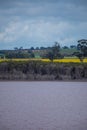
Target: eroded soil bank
{"x":36,"y":70}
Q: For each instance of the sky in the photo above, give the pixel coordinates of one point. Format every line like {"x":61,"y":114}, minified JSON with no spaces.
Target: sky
{"x":39,"y":23}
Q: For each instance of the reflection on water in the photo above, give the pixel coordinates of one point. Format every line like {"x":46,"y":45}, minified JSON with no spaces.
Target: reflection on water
{"x":43,"y":106}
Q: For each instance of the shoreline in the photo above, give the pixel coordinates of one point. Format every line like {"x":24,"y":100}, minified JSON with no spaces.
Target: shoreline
{"x":84,"y":80}
{"x":38,"y":71}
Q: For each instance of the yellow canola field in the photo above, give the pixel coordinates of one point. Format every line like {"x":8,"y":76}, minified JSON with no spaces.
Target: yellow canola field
{"x":68,"y":60}
{"x":65,"y":60}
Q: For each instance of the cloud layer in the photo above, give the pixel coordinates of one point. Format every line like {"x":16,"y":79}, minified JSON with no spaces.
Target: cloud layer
{"x":38,"y":23}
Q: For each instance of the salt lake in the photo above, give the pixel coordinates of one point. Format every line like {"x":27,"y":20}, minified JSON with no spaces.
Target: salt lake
{"x":43,"y":105}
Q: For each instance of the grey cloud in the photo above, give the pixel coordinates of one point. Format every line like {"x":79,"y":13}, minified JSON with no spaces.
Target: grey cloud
{"x":57,"y":9}
{"x":47,"y":11}
{"x":6,"y":2}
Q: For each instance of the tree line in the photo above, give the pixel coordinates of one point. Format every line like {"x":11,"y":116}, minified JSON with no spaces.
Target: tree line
{"x":51,"y":53}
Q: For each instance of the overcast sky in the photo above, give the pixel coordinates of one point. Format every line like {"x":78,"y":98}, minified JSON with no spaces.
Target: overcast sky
{"x":42,"y":22}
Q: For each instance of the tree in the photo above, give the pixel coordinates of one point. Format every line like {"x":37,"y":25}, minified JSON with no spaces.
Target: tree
{"x":32,"y":48}
{"x":42,"y":48}
{"x":54,"y":52}
{"x":79,"y":55}
{"x":21,"y":48}
{"x":37,"y":48}
{"x":15,"y":48}
{"x":50,"y":55}
{"x":82,"y":47}
{"x":65,"y":47}
{"x":72,"y":46}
